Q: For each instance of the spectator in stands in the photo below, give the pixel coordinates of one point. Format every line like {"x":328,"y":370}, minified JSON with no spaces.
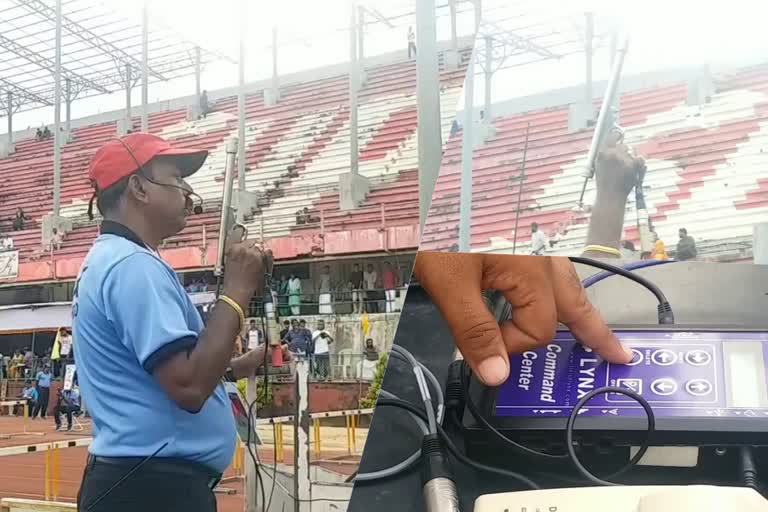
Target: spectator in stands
{"x":371,"y":352}
{"x":47,"y":133}
{"x":56,"y":239}
{"x":324,"y":299}
{"x":300,"y":217}
{"x":68,"y":402}
{"x":43,"y":380}
{"x":659,"y":249}
{"x":38,"y":134}
{"x":411,"y":43}
{"x":254,"y":336}
{"x":282,"y":296}
{"x":357,"y":289}
{"x":309,"y":343}
{"x":538,"y":240}
{"x":321,"y":339}
{"x":30,"y":394}
{"x":29,"y":360}
{"x":370,"y":279}
{"x":16,"y":367}
{"x":686,"y":247}
{"x":19,"y":220}
{"x":454,"y":127}
{"x":205,"y":107}
{"x":389,"y":281}
{"x":297,"y":340}
{"x":294,"y":294}
{"x":285,"y":329}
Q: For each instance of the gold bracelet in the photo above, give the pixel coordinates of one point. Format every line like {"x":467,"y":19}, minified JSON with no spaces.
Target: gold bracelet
{"x":603,"y":249}
{"x":234,"y":305}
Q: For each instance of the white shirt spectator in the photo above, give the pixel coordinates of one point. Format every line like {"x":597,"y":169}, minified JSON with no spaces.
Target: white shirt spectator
{"x":370,"y":279}
{"x":321,"y":343}
{"x":538,"y":242}
{"x":254,"y":339}
{"x":65,"y":345}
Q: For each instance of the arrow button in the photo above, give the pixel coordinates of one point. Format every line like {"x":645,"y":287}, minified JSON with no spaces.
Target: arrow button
{"x":664,"y":387}
{"x":698,"y":387}
{"x":698,"y":357}
{"x":664,"y":357}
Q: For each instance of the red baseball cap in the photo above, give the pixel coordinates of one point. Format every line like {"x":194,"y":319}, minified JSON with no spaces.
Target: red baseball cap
{"x":119,"y":158}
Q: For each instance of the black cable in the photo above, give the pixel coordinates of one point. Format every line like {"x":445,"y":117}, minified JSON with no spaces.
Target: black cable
{"x":572,"y":420}
{"x":486,"y":424}
{"x":665,"y":314}
{"x":395,"y":402}
{"x":124,"y":477}
{"x":254,"y":457}
{"x":748,"y":468}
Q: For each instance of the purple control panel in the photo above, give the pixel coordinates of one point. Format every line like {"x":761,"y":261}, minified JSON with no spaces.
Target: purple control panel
{"x":681,"y":374}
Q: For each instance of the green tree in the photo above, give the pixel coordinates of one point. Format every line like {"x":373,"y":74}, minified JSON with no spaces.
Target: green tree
{"x":378,"y":378}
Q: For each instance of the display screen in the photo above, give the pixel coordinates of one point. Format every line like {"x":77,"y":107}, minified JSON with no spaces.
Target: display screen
{"x":679,"y":373}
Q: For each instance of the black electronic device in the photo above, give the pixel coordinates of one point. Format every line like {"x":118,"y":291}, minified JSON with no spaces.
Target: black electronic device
{"x":706,"y":386}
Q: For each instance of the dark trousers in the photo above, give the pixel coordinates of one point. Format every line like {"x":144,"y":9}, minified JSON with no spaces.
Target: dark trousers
{"x":41,"y":406}
{"x":159,"y":485}
{"x":64,"y":409}
{"x":323,"y":365}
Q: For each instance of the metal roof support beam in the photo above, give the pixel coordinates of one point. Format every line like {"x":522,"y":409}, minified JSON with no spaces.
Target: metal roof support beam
{"x":589,"y":35}
{"x":57,"y":117}
{"x":145,"y":68}
{"x":518,"y":42}
{"x":23,"y":94}
{"x":47,"y":64}
{"x":84,"y":34}
{"x":10,"y":119}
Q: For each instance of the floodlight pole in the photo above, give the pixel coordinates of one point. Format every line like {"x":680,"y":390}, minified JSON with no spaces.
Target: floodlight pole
{"x":488,"y":68}
{"x":467,"y":152}
{"x":454,"y":38}
{"x":588,"y":36}
{"x":68,"y":105}
{"x":145,"y":68}
{"x":429,"y":128}
{"x":57,"y":117}
{"x":354,"y":82}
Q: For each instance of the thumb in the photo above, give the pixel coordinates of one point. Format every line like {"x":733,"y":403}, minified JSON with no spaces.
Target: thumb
{"x":454,"y":283}
{"x":235,"y":236}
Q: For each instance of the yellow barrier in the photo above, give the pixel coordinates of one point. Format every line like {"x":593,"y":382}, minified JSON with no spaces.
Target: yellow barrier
{"x":279,"y":443}
{"x":318,"y":448}
{"x":52,"y":472}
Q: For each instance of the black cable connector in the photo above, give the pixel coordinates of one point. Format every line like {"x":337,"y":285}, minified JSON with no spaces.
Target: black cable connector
{"x":454,"y":392}
{"x":439,"y":488}
{"x":748,"y":468}
{"x":666,"y":316}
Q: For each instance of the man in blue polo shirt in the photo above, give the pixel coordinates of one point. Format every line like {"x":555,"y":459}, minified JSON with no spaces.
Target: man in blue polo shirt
{"x":43,"y":379}
{"x":148,"y":368}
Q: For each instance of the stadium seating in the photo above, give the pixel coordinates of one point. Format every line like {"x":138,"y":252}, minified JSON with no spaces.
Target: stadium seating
{"x":296,"y":151}
{"x":706,"y":171}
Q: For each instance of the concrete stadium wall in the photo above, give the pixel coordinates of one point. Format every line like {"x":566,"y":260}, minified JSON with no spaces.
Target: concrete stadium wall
{"x":700,"y":293}
{"x":330,"y":396}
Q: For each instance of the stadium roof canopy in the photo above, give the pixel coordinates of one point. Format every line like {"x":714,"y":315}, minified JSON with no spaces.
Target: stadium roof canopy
{"x":98,"y":48}
{"x":527,"y":32}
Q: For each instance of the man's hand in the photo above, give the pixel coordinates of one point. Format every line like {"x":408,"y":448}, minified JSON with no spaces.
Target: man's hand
{"x":248,"y":364}
{"x":617,"y":171}
{"x":245,"y":266}
{"x":542,"y":291}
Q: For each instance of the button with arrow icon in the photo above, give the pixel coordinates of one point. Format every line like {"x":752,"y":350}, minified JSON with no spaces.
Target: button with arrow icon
{"x":664,"y":357}
{"x":698,"y":357}
{"x":664,"y":387}
{"x":698,"y":387}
